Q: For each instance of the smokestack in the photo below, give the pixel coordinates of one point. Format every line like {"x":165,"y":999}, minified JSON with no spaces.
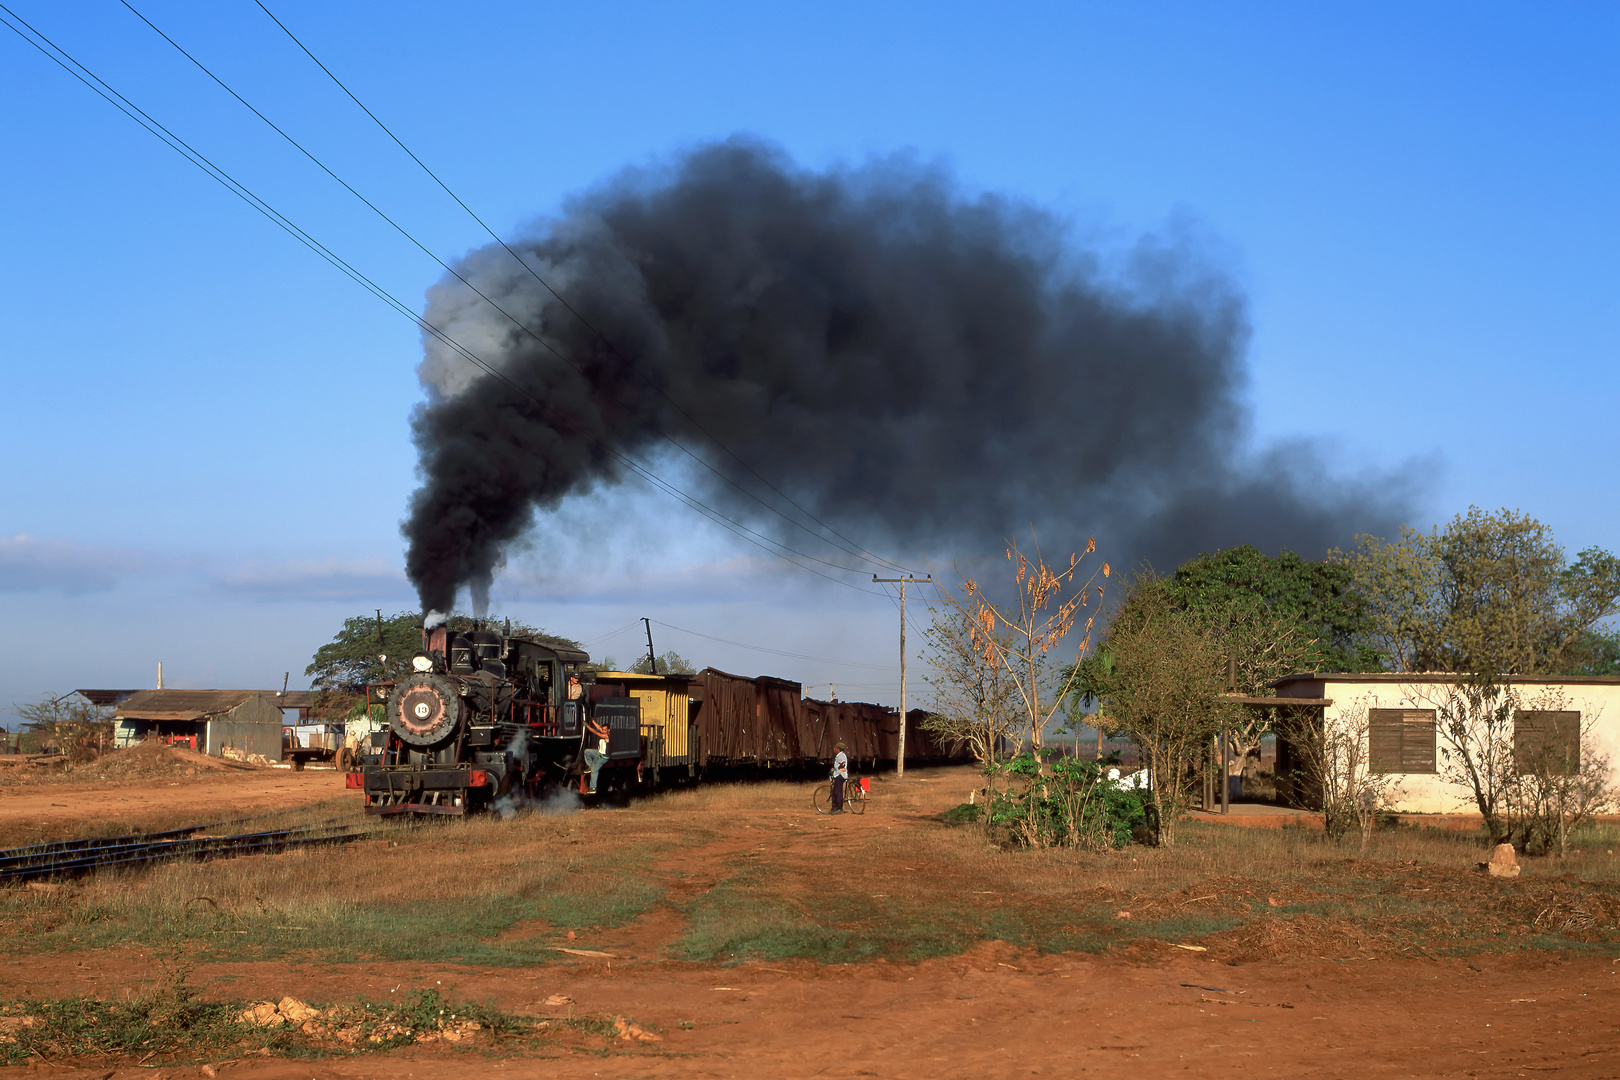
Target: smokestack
{"x":160,"y":675}
{"x":921,"y":367}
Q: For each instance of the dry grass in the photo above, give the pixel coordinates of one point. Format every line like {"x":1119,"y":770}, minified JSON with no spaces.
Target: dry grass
{"x":910,"y":888}
{"x":144,"y":761}
{"x":759,"y":874}
{"x":429,"y":890}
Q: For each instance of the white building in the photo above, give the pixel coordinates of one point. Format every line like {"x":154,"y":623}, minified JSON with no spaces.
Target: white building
{"x":1563,"y":717}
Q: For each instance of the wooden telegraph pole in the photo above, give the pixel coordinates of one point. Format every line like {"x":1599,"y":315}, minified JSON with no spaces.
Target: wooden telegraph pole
{"x":900,"y":764}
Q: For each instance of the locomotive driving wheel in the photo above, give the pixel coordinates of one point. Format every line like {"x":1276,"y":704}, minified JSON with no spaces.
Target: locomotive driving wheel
{"x":424,"y":709}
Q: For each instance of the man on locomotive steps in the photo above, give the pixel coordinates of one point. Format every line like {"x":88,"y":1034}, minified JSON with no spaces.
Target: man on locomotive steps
{"x":840,"y":774}
{"x":596,"y":729}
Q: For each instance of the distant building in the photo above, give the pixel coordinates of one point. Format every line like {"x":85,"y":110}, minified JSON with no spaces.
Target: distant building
{"x":206,"y":720}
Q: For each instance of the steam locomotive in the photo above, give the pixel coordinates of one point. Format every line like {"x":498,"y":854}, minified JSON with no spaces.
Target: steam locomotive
{"x":483,"y":718}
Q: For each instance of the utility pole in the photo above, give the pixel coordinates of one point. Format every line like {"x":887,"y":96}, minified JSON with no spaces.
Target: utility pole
{"x":1226,"y":744}
{"x":652,"y":657}
{"x":900,"y":763}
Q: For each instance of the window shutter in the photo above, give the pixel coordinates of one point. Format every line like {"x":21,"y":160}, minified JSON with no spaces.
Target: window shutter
{"x":1384,"y":738}
{"x":1401,"y":740}
{"x":1417,"y":741}
{"x":1547,"y":743}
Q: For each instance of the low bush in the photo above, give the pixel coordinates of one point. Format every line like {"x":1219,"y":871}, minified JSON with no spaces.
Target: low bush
{"x":1066,"y":802}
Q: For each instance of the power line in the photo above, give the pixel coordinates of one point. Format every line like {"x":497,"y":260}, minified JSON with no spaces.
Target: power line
{"x":516,"y":322}
{"x":600,"y":638}
{"x":777,"y":652}
{"x":561,"y":300}
{"x":180,"y":146}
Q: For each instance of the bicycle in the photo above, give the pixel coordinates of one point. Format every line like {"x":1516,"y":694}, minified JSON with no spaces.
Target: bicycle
{"x":855,"y":795}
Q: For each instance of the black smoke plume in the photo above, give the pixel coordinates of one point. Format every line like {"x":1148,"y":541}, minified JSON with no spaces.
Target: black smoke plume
{"x":922,"y":369}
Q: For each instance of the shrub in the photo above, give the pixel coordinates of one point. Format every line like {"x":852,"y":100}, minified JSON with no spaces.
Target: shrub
{"x":1066,"y":802}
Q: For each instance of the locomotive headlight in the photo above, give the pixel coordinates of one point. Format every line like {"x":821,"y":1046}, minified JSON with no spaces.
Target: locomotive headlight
{"x":422,"y":663}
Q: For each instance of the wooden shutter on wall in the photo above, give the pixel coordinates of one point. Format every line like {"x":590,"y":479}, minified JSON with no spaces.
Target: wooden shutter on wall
{"x":1547,"y":743}
{"x":1401,"y":740}
{"x":1417,"y":741}
{"x":1384,"y":739}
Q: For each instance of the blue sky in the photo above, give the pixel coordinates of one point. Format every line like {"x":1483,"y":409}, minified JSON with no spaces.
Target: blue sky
{"x":206,"y":427}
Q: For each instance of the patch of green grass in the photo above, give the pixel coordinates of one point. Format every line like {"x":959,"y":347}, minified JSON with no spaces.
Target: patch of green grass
{"x":1189,"y":927}
{"x":755,"y":915}
{"x":741,"y":919}
{"x":751,"y":916}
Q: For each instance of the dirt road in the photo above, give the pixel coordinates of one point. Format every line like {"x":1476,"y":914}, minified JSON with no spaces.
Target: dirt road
{"x":992,"y":1013}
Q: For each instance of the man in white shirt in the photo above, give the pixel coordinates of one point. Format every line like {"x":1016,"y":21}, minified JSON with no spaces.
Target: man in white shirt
{"x":595,"y":755}
{"x":840,"y":773}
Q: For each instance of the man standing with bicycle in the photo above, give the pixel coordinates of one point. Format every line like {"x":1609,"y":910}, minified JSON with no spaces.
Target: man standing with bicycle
{"x":840,"y":773}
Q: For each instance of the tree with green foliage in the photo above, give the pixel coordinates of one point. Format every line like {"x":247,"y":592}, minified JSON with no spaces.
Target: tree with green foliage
{"x":366,"y":650}
{"x":1161,"y":687}
{"x":369,"y":650}
{"x":1243,"y":586}
{"x":671,"y":663}
{"x":1599,"y":650}
{"x":1492,"y":593}
{"x":1264,"y":618}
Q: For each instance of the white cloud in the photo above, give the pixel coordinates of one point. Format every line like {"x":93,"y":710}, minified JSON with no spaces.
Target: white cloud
{"x":31,"y":564}
{"x":316,"y":579}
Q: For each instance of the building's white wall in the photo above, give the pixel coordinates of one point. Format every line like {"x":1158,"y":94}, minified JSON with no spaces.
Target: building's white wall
{"x":1422,"y":793}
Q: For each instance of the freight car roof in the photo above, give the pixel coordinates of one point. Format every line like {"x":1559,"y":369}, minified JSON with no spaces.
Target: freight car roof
{"x":769,"y":680}
{"x":611,"y":676}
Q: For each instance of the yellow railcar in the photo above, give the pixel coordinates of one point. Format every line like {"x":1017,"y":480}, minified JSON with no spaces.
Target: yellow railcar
{"x":666,"y":714}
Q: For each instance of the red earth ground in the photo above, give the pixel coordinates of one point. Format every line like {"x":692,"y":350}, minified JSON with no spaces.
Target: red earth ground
{"x":1154,"y":1010}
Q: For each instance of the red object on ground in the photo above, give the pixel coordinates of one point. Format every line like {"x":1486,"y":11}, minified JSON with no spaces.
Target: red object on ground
{"x":354,"y":780}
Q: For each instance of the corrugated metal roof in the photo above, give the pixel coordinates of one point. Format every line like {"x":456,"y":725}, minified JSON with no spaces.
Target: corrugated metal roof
{"x":183,"y":704}
{"x":106,"y":697}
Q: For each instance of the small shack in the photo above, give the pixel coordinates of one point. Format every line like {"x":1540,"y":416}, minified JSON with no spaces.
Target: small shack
{"x":205,"y":720}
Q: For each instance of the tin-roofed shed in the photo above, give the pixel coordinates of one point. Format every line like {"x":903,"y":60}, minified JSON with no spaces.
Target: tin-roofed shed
{"x":207,"y":720}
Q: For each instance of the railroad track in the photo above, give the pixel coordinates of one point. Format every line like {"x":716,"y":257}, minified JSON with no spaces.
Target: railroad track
{"x":73,"y":858}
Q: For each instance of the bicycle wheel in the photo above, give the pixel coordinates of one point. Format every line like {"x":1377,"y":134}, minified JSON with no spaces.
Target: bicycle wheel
{"x":822,"y":798}
{"x":854,"y":797}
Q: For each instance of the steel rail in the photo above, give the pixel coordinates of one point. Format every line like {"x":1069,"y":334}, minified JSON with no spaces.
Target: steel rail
{"x":13,"y":856}
{"x":32,"y":851}
{"x":79,"y":867}
{"x":199,"y":849}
